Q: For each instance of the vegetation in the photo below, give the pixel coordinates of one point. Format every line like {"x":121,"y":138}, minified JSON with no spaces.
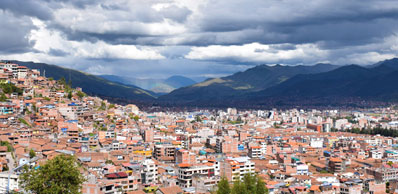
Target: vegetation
{"x":375,"y":131}
{"x":9,"y":146}
{"x":223,"y":186}
{"x":235,"y":122}
{"x":9,"y":88}
{"x":80,"y":94}
{"x":59,"y":175}
{"x":251,"y":184}
{"x":32,"y":154}
{"x":198,"y":119}
{"x":111,"y":106}
{"x":103,"y":106}
{"x":135,"y":117}
{"x":91,"y":84}
{"x":70,"y":95}
{"x":3,"y":97}
{"x":24,"y":122}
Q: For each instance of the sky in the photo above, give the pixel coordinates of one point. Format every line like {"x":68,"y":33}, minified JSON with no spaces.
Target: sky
{"x":196,"y":38}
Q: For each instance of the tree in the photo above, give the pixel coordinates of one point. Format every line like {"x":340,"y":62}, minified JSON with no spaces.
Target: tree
{"x":56,"y":176}
{"x":251,"y":183}
{"x":32,"y":153}
{"x":260,"y":187}
{"x":80,"y":94}
{"x":111,"y":106}
{"x":223,"y":186}
{"x":239,"y":188}
{"x":70,"y":95}
{"x":3,"y":97}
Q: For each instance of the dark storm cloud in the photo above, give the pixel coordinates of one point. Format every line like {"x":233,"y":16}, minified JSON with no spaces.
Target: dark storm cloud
{"x":348,"y":22}
{"x":14,"y":38}
{"x":236,"y":22}
{"x":243,"y":32}
{"x":57,"y":52}
{"x":27,"y":8}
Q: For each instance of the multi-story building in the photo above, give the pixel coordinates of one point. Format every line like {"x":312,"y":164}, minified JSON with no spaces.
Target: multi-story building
{"x":164,"y":150}
{"x":186,"y":172}
{"x":8,"y":180}
{"x":184,"y":156}
{"x":385,"y":173}
{"x":336,"y":165}
{"x":347,"y":188}
{"x":150,"y":172}
{"x":255,"y":152}
{"x":235,"y":168}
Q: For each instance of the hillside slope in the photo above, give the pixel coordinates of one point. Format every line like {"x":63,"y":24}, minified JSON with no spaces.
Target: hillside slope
{"x":91,"y":84}
{"x":251,"y":80}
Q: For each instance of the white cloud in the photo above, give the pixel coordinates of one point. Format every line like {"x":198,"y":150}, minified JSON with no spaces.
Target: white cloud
{"x":256,"y":52}
{"x":46,"y":39}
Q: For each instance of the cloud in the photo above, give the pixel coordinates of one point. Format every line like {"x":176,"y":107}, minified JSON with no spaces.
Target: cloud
{"x":14,"y":33}
{"x":198,"y":38}
{"x":48,"y":41}
{"x":27,"y":8}
{"x":257,"y":53}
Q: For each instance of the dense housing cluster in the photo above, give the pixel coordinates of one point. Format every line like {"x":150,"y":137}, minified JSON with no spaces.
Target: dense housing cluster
{"x":125,"y":150}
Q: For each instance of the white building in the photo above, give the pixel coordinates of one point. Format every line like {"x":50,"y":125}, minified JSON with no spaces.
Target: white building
{"x":316,"y":142}
{"x":150,"y":172}
{"x":302,"y":169}
{"x":4,"y":182}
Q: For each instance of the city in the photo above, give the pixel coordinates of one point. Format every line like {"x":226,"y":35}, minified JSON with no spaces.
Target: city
{"x":125,"y":150}
{"x":198,"y":96}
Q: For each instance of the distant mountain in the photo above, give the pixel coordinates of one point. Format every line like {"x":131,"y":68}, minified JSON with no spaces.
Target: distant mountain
{"x":378,"y":83}
{"x":158,"y":86}
{"x":254,"y":79}
{"x":92,"y":84}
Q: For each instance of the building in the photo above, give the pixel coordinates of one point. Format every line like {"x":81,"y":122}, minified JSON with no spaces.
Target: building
{"x":336,"y":165}
{"x":186,"y":172}
{"x":385,"y":173}
{"x":148,"y":135}
{"x":149,"y":174}
{"x":184,"y":156}
{"x":4,"y":182}
{"x":162,"y":150}
{"x":235,"y":168}
{"x":255,"y":152}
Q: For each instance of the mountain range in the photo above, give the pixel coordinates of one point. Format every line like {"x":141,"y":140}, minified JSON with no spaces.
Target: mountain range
{"x":260,"y":86}
{"x":318,"y":85}
{"x":252,"y":80}
{"x":158,"y":86}
{"x":91,"y":84}
{"x":377,"y":83}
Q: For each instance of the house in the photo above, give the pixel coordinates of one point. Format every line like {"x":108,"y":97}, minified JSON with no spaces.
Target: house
{"x":170,"y":190}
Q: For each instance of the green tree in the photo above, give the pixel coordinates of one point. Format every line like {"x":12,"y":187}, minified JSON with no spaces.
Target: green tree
{"x":250,"y":181}
{"x":24,"y":122}
{"x":70,"y":94}
{"x":251,"y":184}
{"x":239,"y":188}
{"x":80,"y":94}
{"x":58,"y":176}
{"x":3,"y":97}
{"x":223,"y":186}
{"x":260,"y":186}
{"x":32,"y":153}
{"x":9,"y":146}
